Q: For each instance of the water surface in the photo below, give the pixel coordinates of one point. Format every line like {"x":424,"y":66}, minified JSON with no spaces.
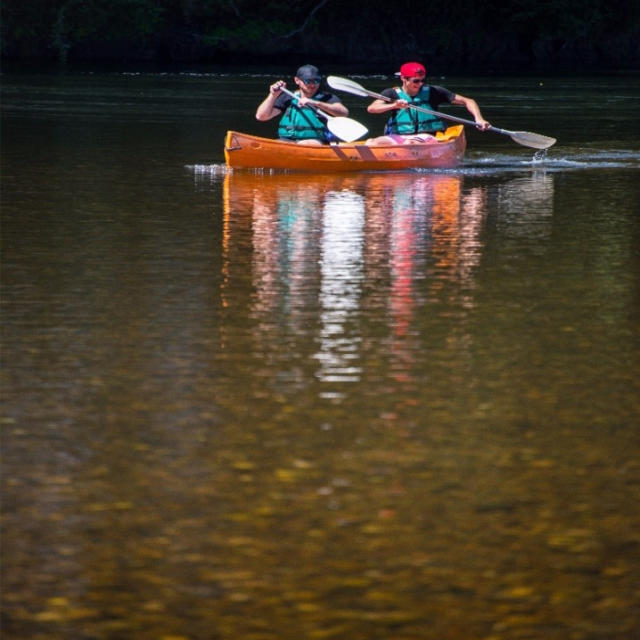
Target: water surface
{"x":268,"y":406}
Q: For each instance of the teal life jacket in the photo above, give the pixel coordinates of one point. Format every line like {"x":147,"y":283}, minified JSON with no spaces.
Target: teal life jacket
{"x":407,"y":121}
{"x":301,"y":123}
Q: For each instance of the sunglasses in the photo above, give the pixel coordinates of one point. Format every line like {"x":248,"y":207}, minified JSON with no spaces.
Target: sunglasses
{"x":417,"y":80}
{"x":312,"y":81}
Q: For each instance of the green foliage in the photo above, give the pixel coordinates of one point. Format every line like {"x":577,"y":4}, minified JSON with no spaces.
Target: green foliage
{"x":246,"y":34}
{"x":80,"y":20}
{"x":555,"y":18}
{"x":455,"y":31}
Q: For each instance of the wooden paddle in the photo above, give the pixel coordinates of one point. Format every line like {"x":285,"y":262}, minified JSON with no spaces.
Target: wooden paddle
{"x":342,"y":127}
{"x":525,"y":138}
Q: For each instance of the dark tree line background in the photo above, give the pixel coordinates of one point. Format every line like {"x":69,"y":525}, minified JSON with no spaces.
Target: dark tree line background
{"x":500,"y":35}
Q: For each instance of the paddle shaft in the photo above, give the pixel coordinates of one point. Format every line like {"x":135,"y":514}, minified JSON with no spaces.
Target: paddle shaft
{"x":318,"y":112}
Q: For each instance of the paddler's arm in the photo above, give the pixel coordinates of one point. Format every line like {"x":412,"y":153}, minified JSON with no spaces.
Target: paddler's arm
{"x":266,"y":109}
{"x":472,"y":107}
{"x":331,"y":108}
{"x":381,"y":106}
{"x":392,"y":104}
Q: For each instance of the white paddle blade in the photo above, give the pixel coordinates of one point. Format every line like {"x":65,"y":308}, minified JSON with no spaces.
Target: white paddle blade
{"x":346,"y":129}
{"x":533,"y":140}
{"x":342,"y":84}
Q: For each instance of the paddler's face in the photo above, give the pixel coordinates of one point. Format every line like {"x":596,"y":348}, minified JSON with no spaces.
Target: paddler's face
{"x":413,"y":85}
{"x":309,"y":87}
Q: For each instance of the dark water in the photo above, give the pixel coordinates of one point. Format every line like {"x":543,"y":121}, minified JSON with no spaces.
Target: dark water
{"x":275,"y":406}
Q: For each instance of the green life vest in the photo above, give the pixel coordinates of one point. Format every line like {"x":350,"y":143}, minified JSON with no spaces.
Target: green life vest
{"x":301,"y":123}
{"x":406,"y":121}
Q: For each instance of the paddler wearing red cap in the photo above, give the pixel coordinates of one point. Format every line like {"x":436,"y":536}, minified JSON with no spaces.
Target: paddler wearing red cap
{"x":407,"y":125}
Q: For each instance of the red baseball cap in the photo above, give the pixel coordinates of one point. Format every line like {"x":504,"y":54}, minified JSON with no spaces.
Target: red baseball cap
{"x":409,"y":69}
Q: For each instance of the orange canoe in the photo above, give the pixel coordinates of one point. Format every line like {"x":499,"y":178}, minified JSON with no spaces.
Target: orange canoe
{"x":243,"y":151}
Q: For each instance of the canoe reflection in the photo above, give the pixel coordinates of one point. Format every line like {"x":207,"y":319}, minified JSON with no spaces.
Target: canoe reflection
{"x":337,"y":259}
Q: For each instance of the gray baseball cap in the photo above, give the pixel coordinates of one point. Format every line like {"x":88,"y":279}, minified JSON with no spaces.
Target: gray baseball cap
{"x":308,"y":72}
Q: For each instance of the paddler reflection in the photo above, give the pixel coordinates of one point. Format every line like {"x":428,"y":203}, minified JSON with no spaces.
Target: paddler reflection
{"x":316,"y":240}
{"x":419,"y":224}
{"x":306,"y":235}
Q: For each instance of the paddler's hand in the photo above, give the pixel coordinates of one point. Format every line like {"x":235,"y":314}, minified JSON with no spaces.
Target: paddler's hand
{"x":303,"y":101}
{"x":483,"y":125}
{"x":400,"y":104}
{"x":276,"y":88}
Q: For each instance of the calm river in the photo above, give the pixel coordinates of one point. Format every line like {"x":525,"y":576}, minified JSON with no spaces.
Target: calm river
{"x":255,"y":406}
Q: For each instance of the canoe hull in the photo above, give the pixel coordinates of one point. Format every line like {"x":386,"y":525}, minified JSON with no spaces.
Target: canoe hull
{"x":243,"y":151}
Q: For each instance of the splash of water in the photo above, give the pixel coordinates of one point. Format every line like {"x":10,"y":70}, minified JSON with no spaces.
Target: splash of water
{"x":540,"y":156}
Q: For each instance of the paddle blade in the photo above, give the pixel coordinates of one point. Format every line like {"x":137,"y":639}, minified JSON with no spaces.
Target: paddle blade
{"x":346,"y":129}
{"x":533,"y":140}
{"x":343,"y":84}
